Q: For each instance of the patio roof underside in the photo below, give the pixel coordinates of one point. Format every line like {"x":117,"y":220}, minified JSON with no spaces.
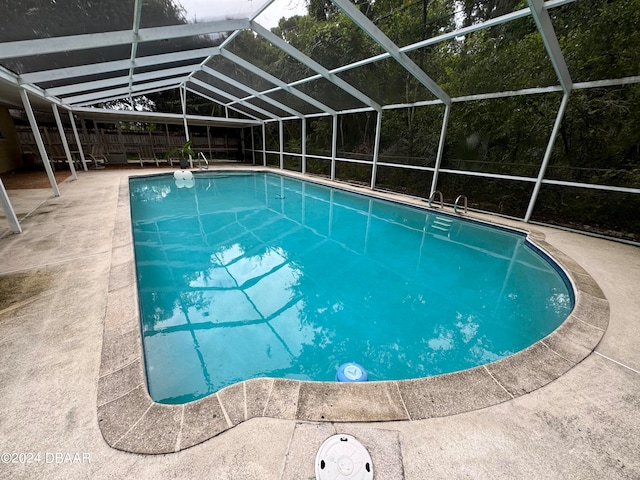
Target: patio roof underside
{"x":134,"y":51}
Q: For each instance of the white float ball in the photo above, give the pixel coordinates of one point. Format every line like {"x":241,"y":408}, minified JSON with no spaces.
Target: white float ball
{"x":187,"y":175}
{"x":178,"y":175}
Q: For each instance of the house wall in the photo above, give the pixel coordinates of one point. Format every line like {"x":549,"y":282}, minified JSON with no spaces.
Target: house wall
{"x":10,"y":152}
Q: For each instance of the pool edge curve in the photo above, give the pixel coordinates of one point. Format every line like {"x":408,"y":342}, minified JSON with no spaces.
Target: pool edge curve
{"x":131,"y":421}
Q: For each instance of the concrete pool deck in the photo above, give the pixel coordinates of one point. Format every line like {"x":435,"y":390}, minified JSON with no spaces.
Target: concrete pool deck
{"x":57,"y":280}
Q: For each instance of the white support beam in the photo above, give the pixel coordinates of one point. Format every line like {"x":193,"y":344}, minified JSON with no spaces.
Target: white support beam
{"x":548,"y":34}
{"x":525,"y":12}
{"x":253,"y":146}
{"x":43,"y":46}
{"x":608,"y":83}
{"x":38,"y":138}
{"x":593,"y":186}
{"x":376,"y":150}
{"x":111,"y":98}
{"x":114,"y":66}
{"x":381,"y":39}
{"x":200,"y":94}
{"x":547,"y":156}
{"x":276,"y":81}
{"x":313,"y":65}
{"x":235,"y":33}
{"x":158,"y":117}
{"x":78,"y":142}
{"x":304,"y":146}
{"x":123,"y":91}
{"x":425,"y":43}
{"x":9,"y":212}
{"x":63,"y":137}
{"x":441,"y":143}
{"x":134,"y":45}
{"x":511,"y":93}
{"x":255,"y":93}
{"x":124,"y":80}
{"x":264,"y":145}
{"x":222,"y":93}
{"x":334,"y":146}
{"x":281,"y":142}
{"x":183,"y":101}
{"x":13,"y":80}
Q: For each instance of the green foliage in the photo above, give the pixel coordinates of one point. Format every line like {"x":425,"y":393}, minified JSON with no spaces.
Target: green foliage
{"x":599,"y":38}
{"x":183,"y":153}
{"x":598,"y":141}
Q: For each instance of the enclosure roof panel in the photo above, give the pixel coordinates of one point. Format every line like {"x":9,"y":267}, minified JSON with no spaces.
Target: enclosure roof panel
{"x":266,"y":58}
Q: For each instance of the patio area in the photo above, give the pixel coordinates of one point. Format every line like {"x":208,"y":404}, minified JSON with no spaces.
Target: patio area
{"x":55,"y":279}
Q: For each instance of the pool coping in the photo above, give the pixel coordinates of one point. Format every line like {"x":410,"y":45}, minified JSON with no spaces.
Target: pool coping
{"x":131,"y":421}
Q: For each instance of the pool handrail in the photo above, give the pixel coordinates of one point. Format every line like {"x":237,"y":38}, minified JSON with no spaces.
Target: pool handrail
{"x":455,"y":205}
{"x":432,"y":198}
{"x":200,"y":167}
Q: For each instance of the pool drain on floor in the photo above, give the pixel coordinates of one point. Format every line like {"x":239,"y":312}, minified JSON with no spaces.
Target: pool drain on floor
{"x":342,"y":457}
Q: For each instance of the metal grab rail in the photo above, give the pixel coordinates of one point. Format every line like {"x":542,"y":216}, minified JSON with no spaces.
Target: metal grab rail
{"x":433,"y":196}
{"x":455,"y":205}
{"x":200,"y":167}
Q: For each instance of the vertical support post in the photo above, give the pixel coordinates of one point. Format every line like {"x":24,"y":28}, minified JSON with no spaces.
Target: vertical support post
{"x":121,"y":141}
{"x":264,"y":144}
{"x":253,"y":146}
{"x":47,"y":137}
{"x":63,"y":137}
{"x":334,"y":147}
{"x":85,"y":132}
{"x":98,"y":136}
{"x":14,"y":224}
{"x":39,"y":142}
{"x":281,"y":140}
{"x":183,"y":100}
{"x":209,"y":141}
{"x":547,"y":156}
{"x":376,"y":150}
{"x":243,"y":146}
{"x":78,"y":142}
{"x":304,"y":145}
{"x":443,"y":135}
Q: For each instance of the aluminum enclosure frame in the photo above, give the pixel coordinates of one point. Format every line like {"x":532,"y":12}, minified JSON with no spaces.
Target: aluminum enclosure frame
{"x":75,"y":96}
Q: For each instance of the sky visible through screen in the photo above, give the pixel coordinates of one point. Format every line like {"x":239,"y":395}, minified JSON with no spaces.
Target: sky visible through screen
{"x":203,"y":10}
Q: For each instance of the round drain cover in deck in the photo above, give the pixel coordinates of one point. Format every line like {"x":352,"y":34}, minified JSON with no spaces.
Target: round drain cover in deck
{"x":342,"y":457}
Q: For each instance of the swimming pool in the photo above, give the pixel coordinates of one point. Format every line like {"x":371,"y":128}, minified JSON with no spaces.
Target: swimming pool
{"x":250,"y":275}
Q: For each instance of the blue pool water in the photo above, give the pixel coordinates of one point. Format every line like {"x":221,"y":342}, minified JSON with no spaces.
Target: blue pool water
{"x":258,"y":275}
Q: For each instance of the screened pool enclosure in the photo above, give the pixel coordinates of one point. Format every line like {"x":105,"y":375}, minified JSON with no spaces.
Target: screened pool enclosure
{"x":527,"y":108}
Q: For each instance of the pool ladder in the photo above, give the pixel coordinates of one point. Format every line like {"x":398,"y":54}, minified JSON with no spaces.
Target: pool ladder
{"x":206,"y":162}
{"x":436,"y":196}
{"x":456,"y":205}
{"x":443,"y":224}
{"x":432,"y":197}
